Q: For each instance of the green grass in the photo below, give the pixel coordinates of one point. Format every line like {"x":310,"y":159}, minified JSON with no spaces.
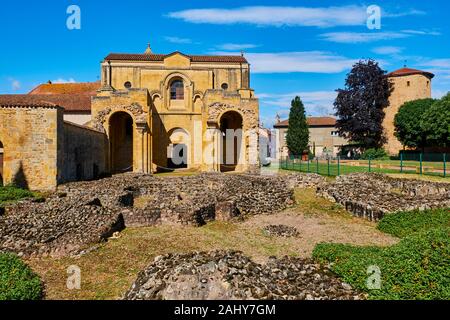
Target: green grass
{"x":17,"y":280}
{"x":403,"y":224}
{"x":11,"y":194}
{"x":379,"y":166}
{"x":415,"y":268}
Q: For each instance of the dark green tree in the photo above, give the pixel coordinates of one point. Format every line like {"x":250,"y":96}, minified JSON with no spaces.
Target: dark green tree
{"x":408,"y":126}
{"x":360,"y":106}
{"x":436,"y":123}
{"x":297,"y":137}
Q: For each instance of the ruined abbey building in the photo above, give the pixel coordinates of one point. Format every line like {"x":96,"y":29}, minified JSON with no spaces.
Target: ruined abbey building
{"x":147,"y":111}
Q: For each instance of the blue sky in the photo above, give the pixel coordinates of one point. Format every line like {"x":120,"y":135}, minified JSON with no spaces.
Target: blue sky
{"x":295,"y":47}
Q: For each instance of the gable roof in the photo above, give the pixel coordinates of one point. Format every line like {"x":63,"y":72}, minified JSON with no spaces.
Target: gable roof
{"x":161,"y":57}
{"x":312,"y":122}
{"x":70,"y":102}
{"x":408,"y":72}
{"x":88,"y":88}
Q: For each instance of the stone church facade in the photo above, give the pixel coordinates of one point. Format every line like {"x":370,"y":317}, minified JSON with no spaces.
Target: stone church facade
{"x":151,"y":113}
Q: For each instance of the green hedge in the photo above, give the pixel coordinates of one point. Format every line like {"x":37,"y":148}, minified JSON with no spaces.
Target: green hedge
{"x":415,"y":268}
{"x":403,"y":224}
{"x":17,"y":280}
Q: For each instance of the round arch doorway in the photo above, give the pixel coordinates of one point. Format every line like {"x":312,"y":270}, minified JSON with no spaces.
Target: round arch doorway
{"x":231,"y":129}
{"x":121,"y":142}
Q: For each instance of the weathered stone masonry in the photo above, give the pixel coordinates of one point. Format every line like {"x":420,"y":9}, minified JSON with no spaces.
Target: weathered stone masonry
{"x":42,"y":151}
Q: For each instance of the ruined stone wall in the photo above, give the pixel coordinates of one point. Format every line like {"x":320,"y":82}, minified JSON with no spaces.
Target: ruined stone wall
{"x":85,"y":153}
{"x":30,"y":135}
{"x":372,"y":196}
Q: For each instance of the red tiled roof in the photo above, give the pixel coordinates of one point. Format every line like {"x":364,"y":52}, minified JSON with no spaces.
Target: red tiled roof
{"x":161,"y":57}
{"x":408,"y":72}
{"x":312,"y":122}
{"x":20,"y":100}
{"x":70,"y":102}
{"x":88,"y":88}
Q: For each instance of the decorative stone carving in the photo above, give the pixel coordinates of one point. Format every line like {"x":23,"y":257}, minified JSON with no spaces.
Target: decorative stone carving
{"x":216,"y":109}
{"x":139,"y":115}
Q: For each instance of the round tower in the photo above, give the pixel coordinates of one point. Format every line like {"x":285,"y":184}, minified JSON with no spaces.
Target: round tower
{"x":408,"y":85}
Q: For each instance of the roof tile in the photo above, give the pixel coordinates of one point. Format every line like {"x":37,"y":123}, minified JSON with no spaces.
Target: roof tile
{"x":161,"y":57}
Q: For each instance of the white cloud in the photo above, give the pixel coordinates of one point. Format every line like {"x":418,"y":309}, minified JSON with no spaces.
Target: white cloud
{"x":440,"y":67}
{"x":317,"y":103}
{"x":277,"y":16}
{"x":307,"y":61}
{"x":62,"y":80}
{"x":438,"y":94}
{"x":422,"y":32}
{"x":236,"y":46}
{"x":15,"y":85}
{"x":412,"y":12}
{"x":361,"y":37}
{"x":178,"y":40}
{"x":387,"y":50}
{"x":351,"y":15}
{"x":365,"y":37}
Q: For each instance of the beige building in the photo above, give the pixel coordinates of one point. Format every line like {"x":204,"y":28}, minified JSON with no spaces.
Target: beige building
{"x":409,"y":84}
{"x":150,"y":112}
{"x":324,"y":139}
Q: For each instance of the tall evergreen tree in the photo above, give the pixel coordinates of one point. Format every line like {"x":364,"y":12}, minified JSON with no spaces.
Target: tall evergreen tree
{"x":360,"y":106}
{"x":297,"y":137}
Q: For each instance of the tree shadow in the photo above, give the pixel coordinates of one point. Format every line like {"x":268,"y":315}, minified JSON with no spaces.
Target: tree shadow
{"x":20,"y":180}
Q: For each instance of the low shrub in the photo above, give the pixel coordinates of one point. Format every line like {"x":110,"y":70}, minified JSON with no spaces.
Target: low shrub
{"x":402,"y":224}
{"x":415,"y":268}
{"x":17,"y":280}
{"x":375,"y":154}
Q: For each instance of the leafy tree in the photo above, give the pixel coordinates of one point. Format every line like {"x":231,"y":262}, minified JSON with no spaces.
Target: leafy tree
{"x":297,"y":137}
{"x":408,"y":129}
{"x":360,"y":106}
{"x":436,"y":123}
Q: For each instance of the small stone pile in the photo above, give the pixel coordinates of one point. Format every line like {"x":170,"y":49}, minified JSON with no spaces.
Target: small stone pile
{"x":281,"y":231}
{"x":229,"y":275}
{"x":57,"y":227}
{"x":372,"y":195}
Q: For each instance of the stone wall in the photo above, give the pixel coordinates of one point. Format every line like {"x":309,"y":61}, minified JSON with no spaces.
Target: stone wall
{"x":29,"y":135}
{"x":406,"y":88}
{"x":374,"y":195}
{"x":85,"y":153}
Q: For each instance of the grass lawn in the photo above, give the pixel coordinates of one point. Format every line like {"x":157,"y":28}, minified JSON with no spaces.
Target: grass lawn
{"x":415,"y":268}
{"x":387,"y":167}
{"x":11,"y":194}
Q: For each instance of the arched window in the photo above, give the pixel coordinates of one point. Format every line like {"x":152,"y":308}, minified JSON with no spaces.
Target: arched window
{"x":177,"y":90}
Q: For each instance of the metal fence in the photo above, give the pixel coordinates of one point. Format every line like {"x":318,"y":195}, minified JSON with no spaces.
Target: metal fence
{"x":337,"y":166}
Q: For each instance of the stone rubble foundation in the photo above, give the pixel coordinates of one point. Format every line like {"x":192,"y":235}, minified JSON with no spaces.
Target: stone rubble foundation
{"x":83,"y":213}
{"x":229,"y":275}
{"x":372,"y":195}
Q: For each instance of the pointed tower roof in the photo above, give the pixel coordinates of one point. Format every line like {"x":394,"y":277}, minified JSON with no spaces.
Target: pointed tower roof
{"x":408,"y":72}
{"x":149,"y":49}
